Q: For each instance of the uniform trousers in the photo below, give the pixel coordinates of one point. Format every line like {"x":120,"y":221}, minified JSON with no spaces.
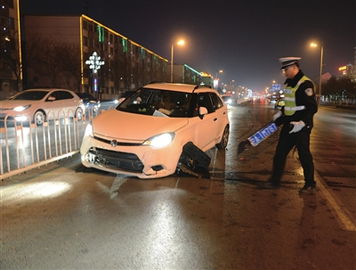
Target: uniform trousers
{"x":301,"y":140}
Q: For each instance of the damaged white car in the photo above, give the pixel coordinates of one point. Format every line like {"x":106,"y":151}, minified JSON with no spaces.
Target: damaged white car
{"x":149,"y":133}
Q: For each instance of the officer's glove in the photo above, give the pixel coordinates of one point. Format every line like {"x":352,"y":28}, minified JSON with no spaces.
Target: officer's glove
{"x":297,"y":126}
{"x":276,"y":115}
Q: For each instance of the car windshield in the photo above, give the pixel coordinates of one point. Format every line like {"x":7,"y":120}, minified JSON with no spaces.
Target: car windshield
{"x":30,"y":95}
{"x":160,"y":103}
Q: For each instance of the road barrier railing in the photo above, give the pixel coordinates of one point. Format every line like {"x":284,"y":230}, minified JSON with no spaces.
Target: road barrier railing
{"x":26,"y":145}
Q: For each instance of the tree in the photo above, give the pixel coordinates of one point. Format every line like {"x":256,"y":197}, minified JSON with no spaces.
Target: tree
{"x":340,"y":89}
{"x":53,"y":64}
{"x":9,"y":59}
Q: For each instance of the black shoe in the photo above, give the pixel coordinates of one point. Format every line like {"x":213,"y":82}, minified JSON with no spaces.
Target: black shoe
{"x":308,"y":188}
{"x":270,"y":185}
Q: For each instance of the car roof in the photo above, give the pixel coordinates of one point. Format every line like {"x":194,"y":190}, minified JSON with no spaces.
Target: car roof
{"x":180,"y":87}
{"x":46,"y":89}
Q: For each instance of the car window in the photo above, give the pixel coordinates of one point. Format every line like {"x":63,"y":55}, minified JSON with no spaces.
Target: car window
{"x":217,"y":103}
{"x":61,"y":95}
{"x":65,"y":95}
{"x":30,"y":95}
{"x":158,"y":102}
{"x":204,"y":100}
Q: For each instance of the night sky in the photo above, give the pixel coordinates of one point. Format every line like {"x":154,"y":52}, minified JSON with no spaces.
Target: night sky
{"x":244,"y":38}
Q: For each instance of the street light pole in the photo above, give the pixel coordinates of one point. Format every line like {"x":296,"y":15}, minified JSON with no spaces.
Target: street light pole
{"x":220,"y":71}
{"x":172,"y":51}
{"x":321,"y":68}
{"x":315,"y":45}
{"x":180,"y":42}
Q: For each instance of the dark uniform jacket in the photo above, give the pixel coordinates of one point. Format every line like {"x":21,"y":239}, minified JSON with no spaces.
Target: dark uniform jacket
{"x":305,"y":96}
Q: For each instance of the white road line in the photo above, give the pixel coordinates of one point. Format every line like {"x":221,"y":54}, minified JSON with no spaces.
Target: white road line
{"x":343,"y":215}
{"x":118,"y":182}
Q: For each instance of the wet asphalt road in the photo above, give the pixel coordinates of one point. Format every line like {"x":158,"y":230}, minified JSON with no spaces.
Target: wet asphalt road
{"x":63,"y":216}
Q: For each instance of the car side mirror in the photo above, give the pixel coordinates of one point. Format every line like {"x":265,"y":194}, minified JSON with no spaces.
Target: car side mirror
{"x":202,"y":111}
{"x":51,"y":99}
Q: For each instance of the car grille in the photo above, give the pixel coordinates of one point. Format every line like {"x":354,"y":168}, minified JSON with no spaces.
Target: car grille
{"x":116,"y":142}
{"x":117,"y":160}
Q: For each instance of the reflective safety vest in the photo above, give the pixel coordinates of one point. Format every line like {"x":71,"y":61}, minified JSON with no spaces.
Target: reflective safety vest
{"x":289,"y":98}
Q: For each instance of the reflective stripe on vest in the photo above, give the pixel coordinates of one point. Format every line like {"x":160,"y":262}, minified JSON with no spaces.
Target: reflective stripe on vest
{"x":289,"y":93}
{"x":296,"y":108}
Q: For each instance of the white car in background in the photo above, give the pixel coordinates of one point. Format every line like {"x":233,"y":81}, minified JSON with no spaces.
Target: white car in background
{"x":40,"y":105}
{"x":145,"y":135}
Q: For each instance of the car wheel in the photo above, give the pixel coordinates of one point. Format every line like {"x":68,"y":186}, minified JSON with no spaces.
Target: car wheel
{"x":39,"y":118}
{"x":79,"y":114}
{"x":224,"y":139}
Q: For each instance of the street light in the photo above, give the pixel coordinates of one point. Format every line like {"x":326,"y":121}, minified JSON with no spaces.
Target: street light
{"x":180,"y":42}
{"x":216,"y":80}
{"x":94,"y":62}
{"x":220,"y":71}
{"x":316,"y":45}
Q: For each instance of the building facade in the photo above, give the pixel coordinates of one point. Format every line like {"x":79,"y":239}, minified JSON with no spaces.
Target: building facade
{"x":186,"y":74}
{"x":59,"y":50}
{"x":346,"y":71}
{"x":10,"y":48}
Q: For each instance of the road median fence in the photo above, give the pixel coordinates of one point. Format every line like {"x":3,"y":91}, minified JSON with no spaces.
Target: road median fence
{"x":25,"y":145}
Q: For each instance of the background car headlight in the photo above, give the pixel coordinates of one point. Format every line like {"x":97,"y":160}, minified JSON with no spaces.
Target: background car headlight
{"x":160,"y":141}
{"x":21,"y":108}
{"x":88,"y":131}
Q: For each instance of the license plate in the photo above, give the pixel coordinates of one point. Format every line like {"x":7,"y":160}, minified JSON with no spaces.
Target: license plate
{"x":262,"y":134}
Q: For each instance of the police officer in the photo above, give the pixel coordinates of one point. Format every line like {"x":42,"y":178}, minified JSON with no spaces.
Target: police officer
{"x":296,"y":116}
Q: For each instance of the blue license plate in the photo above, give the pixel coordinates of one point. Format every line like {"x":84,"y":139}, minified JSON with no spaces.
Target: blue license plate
{"x":262,"y":134}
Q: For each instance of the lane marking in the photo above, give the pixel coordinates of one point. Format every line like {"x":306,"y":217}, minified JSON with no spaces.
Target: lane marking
{"x":117,"y":183}
{"x":342,"y":214}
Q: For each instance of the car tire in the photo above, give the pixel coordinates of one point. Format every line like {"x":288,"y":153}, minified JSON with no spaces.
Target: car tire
{"x":224,"y":139}
{"x":79,"y":114}
{"x":39,"y":118}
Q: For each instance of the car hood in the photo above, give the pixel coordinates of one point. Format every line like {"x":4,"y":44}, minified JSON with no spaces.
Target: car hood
{"x":8,"y":104}
{"x":134,"y":127}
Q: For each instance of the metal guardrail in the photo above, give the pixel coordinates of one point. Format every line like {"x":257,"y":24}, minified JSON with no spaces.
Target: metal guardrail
{"x":24,"y":145}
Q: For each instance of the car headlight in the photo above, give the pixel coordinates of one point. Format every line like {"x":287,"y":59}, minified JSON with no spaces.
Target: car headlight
{"x":21,"y":108}
{"x":88,"y":131}
{"x":160,"y":141}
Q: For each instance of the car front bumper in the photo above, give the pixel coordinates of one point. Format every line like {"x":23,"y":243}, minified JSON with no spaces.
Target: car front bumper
{"x":135,"y":160}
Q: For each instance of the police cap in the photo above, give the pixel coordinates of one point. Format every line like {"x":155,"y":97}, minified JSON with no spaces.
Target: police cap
{"x":288,"y":61}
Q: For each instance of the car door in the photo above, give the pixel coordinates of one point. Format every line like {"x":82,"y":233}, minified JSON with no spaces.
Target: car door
{"x":56,"y":105}
{"x":204,"y":127}
{"x":70,"y":103}
{"x":52,"y":105}
{"x":220,"y":113}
